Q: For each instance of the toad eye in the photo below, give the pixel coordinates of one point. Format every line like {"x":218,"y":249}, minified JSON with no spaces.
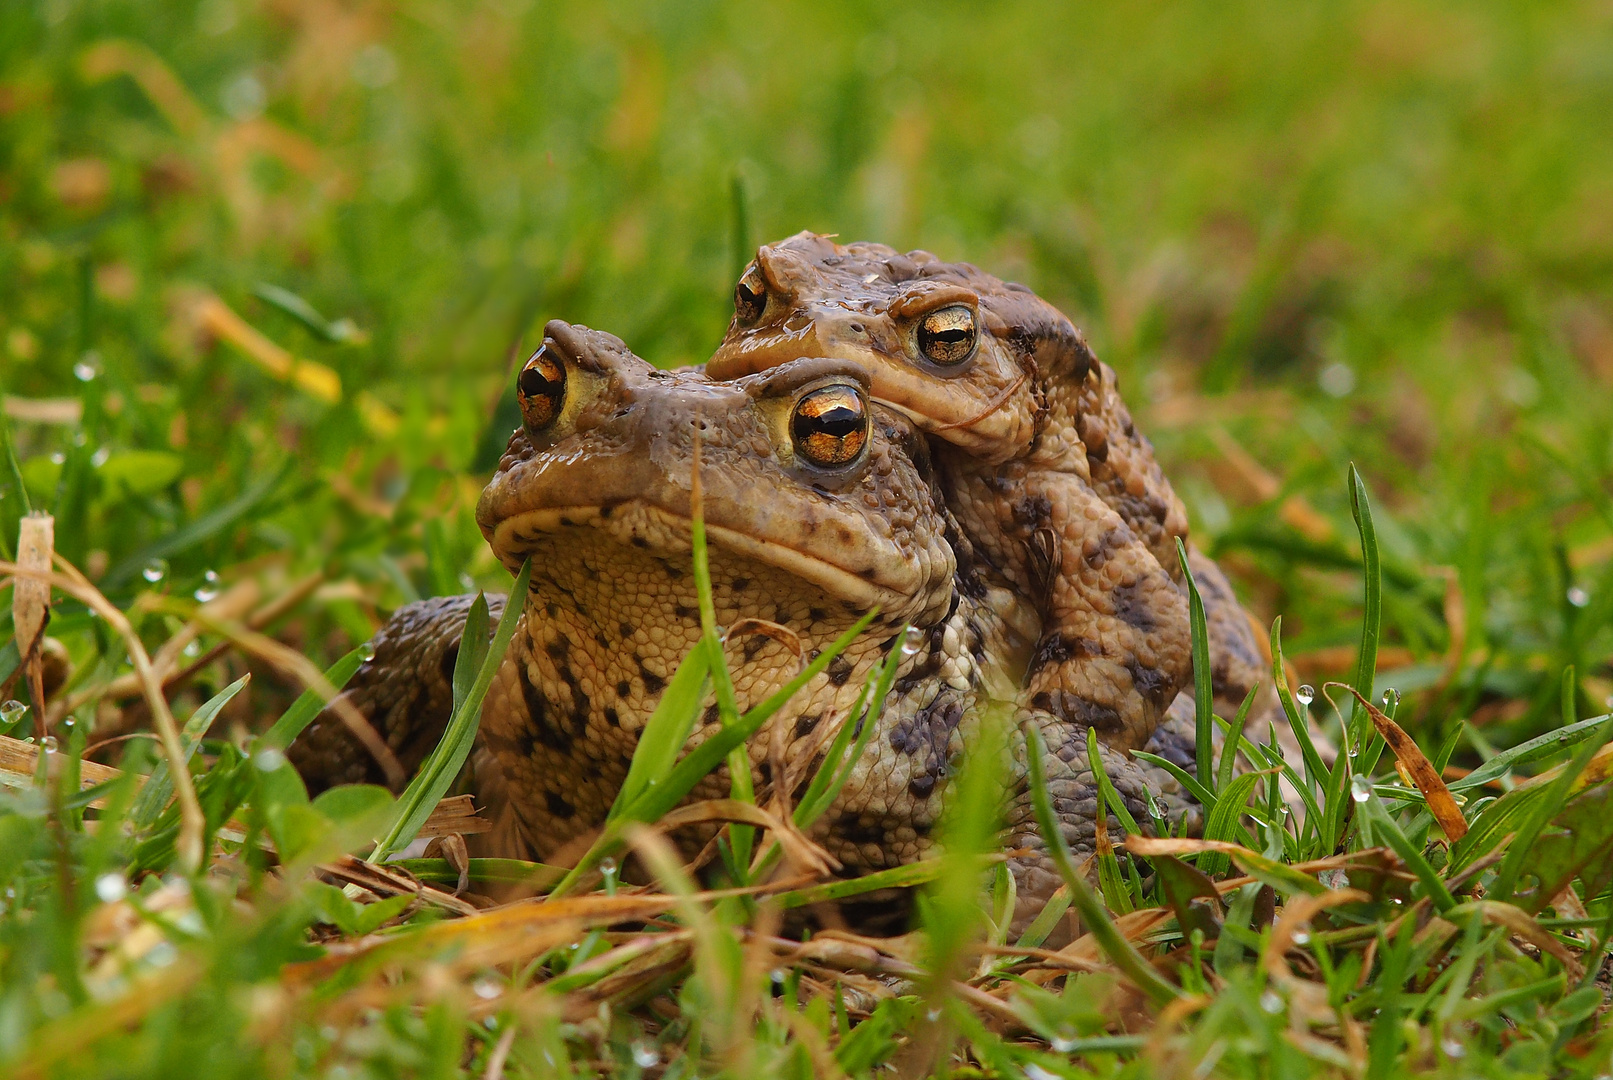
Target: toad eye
{"x":946,"y":336}
{"x":541,"y":390}
{"x":750,"y":296}
{"x":830,"y":426}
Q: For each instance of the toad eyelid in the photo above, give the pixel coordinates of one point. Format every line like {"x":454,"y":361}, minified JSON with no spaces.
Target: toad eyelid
{"x":917,"y":303}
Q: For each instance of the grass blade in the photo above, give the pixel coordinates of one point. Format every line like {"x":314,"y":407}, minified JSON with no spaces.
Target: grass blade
{"x":1203,"y":691}
{"x":1107,"y":787}
{"x":1223,"y":820}
{"x":154,"y":794}
{"x":1116,"y":947}
{"x":1229,"y":751}
{"x":1366,"y":662}
{"x":439,"y":770}
{"x":1533,"y":750}
{"x":284,"y":731}
{"x":666,"y":730}
{"x":831,"y":778}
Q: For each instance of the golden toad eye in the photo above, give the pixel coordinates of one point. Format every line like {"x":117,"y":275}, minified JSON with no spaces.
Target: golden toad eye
{"x":830,"y":426}
{"x":946,"y":336}
{"x":541,"y":390}
{"x":750,"y":296}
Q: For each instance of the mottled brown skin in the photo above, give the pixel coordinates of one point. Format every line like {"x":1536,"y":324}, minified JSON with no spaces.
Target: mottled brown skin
{"x":1039,"y":458}
{"x":599,"y":498}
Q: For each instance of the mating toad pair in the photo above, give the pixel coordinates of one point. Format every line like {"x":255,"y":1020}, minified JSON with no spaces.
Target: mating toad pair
{"x":876,"y":430}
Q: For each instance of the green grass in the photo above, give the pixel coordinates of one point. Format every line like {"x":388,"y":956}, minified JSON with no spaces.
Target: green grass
{"x":1306,"y":235}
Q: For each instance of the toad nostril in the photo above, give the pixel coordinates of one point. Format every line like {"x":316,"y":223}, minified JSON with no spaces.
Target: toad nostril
{"x":857,"y":328}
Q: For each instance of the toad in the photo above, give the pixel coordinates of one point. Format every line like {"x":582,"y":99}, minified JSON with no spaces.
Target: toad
{"x":1039,"y":461}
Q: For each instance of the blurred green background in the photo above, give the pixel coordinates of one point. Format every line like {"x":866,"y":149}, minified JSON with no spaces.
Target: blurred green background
{"x":1304,"y":234}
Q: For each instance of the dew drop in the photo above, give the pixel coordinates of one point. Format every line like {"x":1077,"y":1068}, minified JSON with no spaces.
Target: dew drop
{"x":1302,"y":936}
{"x":1305,"y":694}
{"x":933,"y":1015}
{"x":366,"y":651}
{"x":209,"y":587}
{"x":101,"y":456}
{"x":268,"y":760}
{"x":155,"y":570}
{"x":11,"y":712}
{"x":1452,"y":1047}
{"x":1578,"y":596}
{"x":486,"y":989}
{"x":645,"y":1054}
{"x":111,"y":887}
{"x":1063,"y":1044}
{"x":1271,"y":1002}
{"x":1391,"y":699}
{"x":58,"y":458}
{"x":1034,"y":1071}
{"x":192,"y":648}
{"x":162,"y":954}
{"x":49,"y":743}
{"x":88,"y":368}
{"x":778,"y":975}
{"x":1360,"y":786}
{"x":608,"y":869}
{"x":1337,"y":379}
{"x":912,"y":640}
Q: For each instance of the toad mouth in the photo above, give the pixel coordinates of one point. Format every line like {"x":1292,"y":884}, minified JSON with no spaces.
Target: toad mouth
{"x":641,"y":524}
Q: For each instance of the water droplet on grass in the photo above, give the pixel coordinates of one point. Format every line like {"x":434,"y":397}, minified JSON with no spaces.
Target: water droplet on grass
{"x":1452,"y":1047}
{"x":88,"y":368}
{"x":1578,"y":596}
{"x":209,"y":587}
{"x":1063,"y":1044}
{"x":1302,"y":936}
{"x":1391,"y":699}
{"x":1337,"y":379}
{"x":1271,"y":1002}
{"x":111,"y":887}
{"x":486,"y":989}
{"x":49,"y":743}
{"x":268,"y":760}
{"x":1305,"y":694}
{"x":645,"y":1054}
{"x":1360,"y":787}
{"x":366,"y":651}
{"x":155,"y":570}
{"x":11,"y":712}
